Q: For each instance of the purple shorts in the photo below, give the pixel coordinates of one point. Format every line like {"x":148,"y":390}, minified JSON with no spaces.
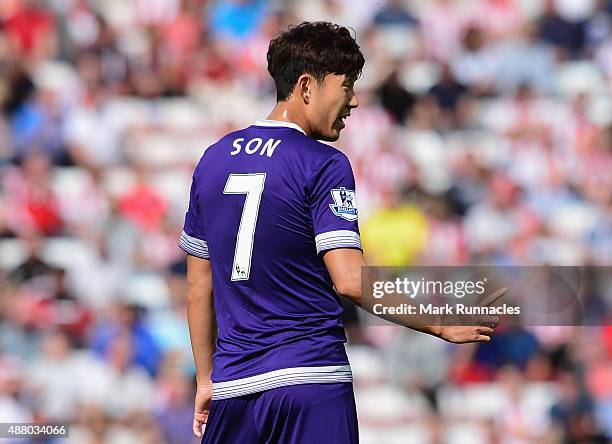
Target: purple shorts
{"x":297,"y":414}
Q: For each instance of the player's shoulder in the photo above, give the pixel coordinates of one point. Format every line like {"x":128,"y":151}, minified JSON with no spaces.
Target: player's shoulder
{"x":321,"y":152}
{"x":327,"y":155}
{"x":218,"y":145}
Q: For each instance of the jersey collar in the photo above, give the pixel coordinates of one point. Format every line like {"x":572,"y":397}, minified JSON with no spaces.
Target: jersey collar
{"x":278,"y":123}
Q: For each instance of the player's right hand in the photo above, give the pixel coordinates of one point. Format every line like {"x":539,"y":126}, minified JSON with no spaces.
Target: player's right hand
{"x":202,"y":407}
{"x":461,"y":334}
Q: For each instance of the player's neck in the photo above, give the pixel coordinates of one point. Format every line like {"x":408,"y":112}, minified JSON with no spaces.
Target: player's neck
{"x":283,"y":112}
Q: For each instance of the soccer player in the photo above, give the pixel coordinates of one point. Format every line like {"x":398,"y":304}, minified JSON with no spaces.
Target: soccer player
{"x":272,"y":239}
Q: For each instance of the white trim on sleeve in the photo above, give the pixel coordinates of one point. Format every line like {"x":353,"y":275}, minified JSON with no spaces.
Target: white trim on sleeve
{"x":194,"y":246}
{"x":337,"y":239}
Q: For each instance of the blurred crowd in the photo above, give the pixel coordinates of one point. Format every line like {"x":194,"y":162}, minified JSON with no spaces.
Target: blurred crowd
{"x":483,"y":136}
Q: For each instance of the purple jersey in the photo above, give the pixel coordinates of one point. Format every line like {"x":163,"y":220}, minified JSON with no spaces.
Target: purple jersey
{"x":265,"y":202}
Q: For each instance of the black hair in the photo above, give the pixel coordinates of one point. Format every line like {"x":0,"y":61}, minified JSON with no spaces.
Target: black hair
{"x":315,"y":48}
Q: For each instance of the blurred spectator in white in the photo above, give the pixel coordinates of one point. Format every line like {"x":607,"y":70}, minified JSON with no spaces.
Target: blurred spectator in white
{"x":498,"y":221}
{"x":475,"y":65}
{"x":124,"y":389}
{"x":92,"y":132}
{"x":52,"y":378}
{"x":525,"y":60}
{"x":442,"y":23}
{"x":417,"y":363}
{"x":12,"y":408}
{"x":13,"y":405}
{"x":519,"y":422}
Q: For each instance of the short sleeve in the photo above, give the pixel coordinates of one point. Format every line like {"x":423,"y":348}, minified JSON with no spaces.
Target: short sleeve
{"x":193,"y":239}
{"x":333,"y":205}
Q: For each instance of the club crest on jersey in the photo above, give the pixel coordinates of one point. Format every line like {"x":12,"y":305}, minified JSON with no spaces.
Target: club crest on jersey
{"x":345,"y":205}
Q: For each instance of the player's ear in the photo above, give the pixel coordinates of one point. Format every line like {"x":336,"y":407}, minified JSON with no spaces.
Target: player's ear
{"x":304,"y":87}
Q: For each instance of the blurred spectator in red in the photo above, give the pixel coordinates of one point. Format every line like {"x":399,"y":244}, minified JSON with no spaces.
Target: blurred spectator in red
{"x":32,"y":199}
{"x":64,"y":311}
{"x":31,"y":29}
{"x":181,"y":35}
{"x":142,"y":205}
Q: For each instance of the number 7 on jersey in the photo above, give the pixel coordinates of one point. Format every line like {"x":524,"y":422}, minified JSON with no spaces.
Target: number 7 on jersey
{"x":252,"y":185}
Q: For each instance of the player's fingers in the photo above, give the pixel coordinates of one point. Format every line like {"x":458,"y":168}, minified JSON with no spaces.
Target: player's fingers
{"x":197,"y":428}
{"x":202,"y":417}
{"x":493,"y":297}
{"x":482,"y":338}
{"x":485,"y":330}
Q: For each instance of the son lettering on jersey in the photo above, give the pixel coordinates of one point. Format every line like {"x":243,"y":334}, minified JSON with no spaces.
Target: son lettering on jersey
{"x":254,"y":145}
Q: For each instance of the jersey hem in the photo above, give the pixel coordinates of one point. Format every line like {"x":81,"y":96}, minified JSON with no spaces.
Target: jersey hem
{"x":282,"y":378}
